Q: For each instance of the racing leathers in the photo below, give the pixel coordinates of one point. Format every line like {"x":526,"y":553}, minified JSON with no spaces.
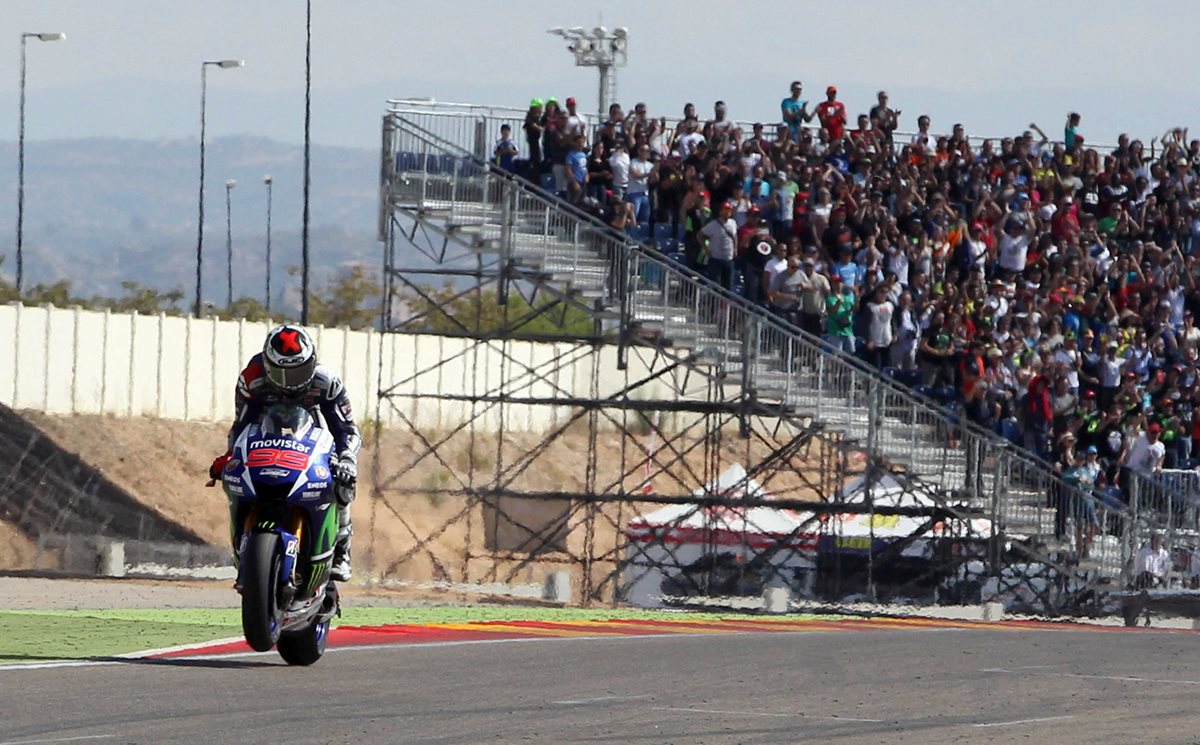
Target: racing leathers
{"x":325,"y":398}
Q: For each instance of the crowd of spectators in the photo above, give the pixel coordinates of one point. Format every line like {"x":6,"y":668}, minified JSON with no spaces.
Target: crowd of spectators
{"x":1047,"y":289}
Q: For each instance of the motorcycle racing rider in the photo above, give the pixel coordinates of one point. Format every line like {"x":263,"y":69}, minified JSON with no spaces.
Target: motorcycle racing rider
{"x":286,"y":372}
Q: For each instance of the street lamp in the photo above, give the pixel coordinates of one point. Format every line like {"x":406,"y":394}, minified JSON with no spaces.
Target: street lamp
{"x":267,"y":181}
{"x":229,"y":242}
{"x":223,"y":64}
{"x":601,"y":49}
{"x":307,"y":147}
{"x":52,"y":36}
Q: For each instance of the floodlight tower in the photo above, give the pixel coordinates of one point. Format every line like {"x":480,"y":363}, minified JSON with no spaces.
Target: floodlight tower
{"x":601,"y":49}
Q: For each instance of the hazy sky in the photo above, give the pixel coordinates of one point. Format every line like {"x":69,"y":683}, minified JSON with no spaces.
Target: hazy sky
{"x":131,"y":67}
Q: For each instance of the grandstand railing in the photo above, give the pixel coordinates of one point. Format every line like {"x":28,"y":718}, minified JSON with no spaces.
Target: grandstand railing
{"x":476,"y":127}
{"x":952,"y":457}
{"x":1172,"y":498}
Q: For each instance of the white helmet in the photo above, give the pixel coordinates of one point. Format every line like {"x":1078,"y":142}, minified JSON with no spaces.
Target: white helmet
{"x":289,"y":358}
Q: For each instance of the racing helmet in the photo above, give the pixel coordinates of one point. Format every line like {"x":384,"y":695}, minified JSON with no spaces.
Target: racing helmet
{"x":289,"y":358}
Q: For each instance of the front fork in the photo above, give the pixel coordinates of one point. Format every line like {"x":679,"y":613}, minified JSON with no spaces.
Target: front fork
{"x":291,"y":543}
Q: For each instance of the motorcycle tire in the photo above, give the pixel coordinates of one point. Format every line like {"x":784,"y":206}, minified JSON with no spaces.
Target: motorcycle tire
{"x":304,"y":647}
{"x":261,"y":614}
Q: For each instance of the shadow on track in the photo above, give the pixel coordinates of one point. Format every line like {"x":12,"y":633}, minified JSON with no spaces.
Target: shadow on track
{"x":215,"y":664}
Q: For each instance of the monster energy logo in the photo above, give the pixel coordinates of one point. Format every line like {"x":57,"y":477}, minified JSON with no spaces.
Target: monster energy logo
{"x":266,"y":525}
{"x":315,"y":575}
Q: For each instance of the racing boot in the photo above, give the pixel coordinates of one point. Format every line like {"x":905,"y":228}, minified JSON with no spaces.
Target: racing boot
{"x":339,"y":568}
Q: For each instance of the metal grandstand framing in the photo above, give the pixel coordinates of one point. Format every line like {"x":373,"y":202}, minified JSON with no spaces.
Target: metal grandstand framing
{"x":652,"y":424}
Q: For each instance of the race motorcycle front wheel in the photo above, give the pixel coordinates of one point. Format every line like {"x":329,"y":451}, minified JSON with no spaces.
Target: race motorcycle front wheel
{"x":261,"y":614}
{"x":304,"y":647}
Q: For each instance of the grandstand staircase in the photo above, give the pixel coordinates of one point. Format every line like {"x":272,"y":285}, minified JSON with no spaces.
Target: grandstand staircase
{"x":643,"y":297}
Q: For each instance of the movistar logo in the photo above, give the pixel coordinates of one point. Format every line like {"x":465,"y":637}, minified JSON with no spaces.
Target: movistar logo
{"x":282,"y":443}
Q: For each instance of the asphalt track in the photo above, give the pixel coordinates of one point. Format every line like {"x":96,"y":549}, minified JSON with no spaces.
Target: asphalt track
{"x":841,"y":683}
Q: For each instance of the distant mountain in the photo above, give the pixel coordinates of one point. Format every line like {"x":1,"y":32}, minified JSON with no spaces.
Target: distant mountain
{"x":100,"y":211}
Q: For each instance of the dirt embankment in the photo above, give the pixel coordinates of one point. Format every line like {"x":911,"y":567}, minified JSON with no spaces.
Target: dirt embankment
{"x":414,"y":519}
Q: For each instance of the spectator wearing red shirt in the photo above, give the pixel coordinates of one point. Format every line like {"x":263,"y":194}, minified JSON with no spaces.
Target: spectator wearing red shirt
{"x":1038,"y":413}
{"x":832,"y":114}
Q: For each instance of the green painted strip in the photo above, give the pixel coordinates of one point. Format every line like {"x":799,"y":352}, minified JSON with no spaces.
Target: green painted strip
{"x":30,"y":636}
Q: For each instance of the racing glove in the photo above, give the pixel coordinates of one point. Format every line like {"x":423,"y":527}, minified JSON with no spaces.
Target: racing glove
{"x":218,"y":466}
{"x":345,"y":471}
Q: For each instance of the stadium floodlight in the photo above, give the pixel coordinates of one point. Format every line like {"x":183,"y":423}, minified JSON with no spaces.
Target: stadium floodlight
{"x":603,"y":50}
{"x":557,"y":31}
{"x":228,"y":63}
{"x":54,"y":36}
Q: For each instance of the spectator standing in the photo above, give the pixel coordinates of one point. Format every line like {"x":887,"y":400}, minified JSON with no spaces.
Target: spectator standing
{"x":879,"y":327}
{"x":576,"y":122}
{"x":1144,"y":456}
{"x":832,"y":114}
{"x":575,"y":169}
{"x":921,"y":139}
{"x":555,"y":143}
{"x":505,"y":150}
{"x":1014,"y":239}
{"x":599,"y":174}
{"x":1080,"y":477}
{"x":1071,"y":137}
{"x":908,"y":334}
{"x":691,"y":139}
{"x":533,"y":139}
{"x":619,"y":165}
{"x":885,"y":119}
{"x":718,"y":126}
{"x":813,"y":291}
{"x":640,"y":170}
{"x":719,"y":241}
{"x":1153,"y":563}
{"x":839,"y":316}
{"x":614,"y":128}
{"x":788,"y":287}
{"x":1110,"y":369}
{"x":1039,"y":412}
{"x":795,"y":110}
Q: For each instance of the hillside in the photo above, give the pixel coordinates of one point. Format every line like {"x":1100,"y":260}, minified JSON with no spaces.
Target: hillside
{"x":100,"y":211}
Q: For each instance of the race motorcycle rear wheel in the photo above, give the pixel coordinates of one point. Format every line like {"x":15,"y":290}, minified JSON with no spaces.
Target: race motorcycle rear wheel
{"x":261,"y":614}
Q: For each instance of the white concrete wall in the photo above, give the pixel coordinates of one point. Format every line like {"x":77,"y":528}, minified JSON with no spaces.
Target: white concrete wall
{"x":66,"y":361}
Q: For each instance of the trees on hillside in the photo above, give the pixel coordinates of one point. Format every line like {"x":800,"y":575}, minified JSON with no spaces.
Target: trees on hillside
{"x":449,"y":310}
{"x":352,"y":298}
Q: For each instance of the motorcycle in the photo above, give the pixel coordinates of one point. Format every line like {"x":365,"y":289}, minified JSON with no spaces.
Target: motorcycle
{"x":283,"y":509}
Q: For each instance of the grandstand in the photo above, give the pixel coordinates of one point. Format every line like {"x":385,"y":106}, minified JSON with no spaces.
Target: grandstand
{"x":995,"y":287}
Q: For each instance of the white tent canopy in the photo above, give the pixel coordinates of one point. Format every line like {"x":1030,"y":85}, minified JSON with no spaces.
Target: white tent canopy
{"x":889,"y":492}
{"x":760,"y":527}
{"x":665,"y":542}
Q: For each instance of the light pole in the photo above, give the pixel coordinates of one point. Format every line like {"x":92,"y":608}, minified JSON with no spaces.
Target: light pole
{"x":52,"y":36}
{"x":267,"y":181}
{"x":223,"y":64}
{"x":229,"y":242}
{"x":307,"y":122}
{"x":600,"y":49}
